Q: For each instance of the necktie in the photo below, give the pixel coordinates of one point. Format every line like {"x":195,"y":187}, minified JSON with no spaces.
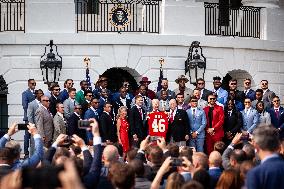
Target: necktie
{"x":140,"y":112}
{"x":172,"y":117}
{"x":277,"y":113}
{"x":193,"y":113}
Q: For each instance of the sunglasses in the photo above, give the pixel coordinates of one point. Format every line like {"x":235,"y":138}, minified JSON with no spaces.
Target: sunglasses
{"x":233,"y":83}
{"x":70,"y":83}
{"x":212,"y":98}
{"x":276,"y":100}
{"x":193,"y":101}
{"x":200,"y":83}
{"x":56,"y":89}
{"x":247,"y":102}
{"x":33,"y":83}
{"x":96,"y":102}
{"x":46,"y":100}
{"x":264,"y":83}
{"x":89,"y":95}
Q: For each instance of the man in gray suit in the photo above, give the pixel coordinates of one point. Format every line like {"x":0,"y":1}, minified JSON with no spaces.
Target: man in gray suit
{"x":201,"y":103}
{"x":59,"y":121}
{"x":268,"y":95}
{"x":69,"y":103}
{"x":33,"y":106}
{"x":197,"y":120}
{"x":44,"y":121}
{"x":250,"y":118}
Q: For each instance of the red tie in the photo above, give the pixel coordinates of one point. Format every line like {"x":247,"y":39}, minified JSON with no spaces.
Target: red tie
{"x":172,"y":117}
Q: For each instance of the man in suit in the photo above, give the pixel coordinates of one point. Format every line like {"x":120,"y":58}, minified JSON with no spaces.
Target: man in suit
{"x":258,"y":97}
{"x":80,"y":94}
{"x":102,"y":83}
{"x":44,"y":121}
{"x":200,"y":84}
{"x":187,"y":92}
{"x":250,"y":118}
{"x":92,"y":112}
{"x":239,"y":95}
{"x":165,"y":85}
{"x":221,"y":93}
{"x":69,"y":103}
{"x":269,"y":174}
{"x":68,"y":84}
{"x":180,"y":102}
{"x":277,"y":116}
{"x":179,"y":126}
{"x":72,"y":123}
{"x":27,"y":97}
{"x":106,"y":123}
{"x":249,"y":93}
{"x":104,"y":98}
{"x":268,"y":95}
{"x":201,"y":103}
{"x":33,"y":106}
{"x":86,"y":103}
{"x":137,"y":118}
{"x":147,"y":104}
{"x":215,"y":120}
{"x":164,"y":101}
{"x":197,"y":121}
{"x":54,"y":99}
{"x":215,"y":171}
{"x":59,"y":121}
{"x":121,"y":101}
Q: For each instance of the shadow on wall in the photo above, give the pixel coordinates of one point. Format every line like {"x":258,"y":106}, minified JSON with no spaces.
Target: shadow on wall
{"x":239,"y":75}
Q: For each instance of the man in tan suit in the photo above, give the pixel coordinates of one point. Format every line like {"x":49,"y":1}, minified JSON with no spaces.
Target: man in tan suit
{"x":59,"y":121}
{"x":44,"y":121}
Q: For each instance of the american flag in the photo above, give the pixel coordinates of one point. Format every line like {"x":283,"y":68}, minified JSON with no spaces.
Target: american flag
{"x":161,"y":75}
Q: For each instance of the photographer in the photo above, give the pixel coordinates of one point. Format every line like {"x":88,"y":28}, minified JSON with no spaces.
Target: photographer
{"x":35,"y":158}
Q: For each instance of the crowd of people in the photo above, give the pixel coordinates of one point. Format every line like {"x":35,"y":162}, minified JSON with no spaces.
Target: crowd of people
{"x":111,"y":139}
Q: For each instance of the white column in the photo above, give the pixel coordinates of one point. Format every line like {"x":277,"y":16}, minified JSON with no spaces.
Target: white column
{"x":261,"y":3}
{"x":50,"y":16}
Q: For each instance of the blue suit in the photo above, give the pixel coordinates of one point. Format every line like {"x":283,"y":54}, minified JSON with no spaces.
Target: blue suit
{"x":63,"y":95}
{"x":250,"y":94}
{"x":91,"y":114}
{"x":214,"y":174}
{"x":278,"y":122}
{"x":250,"y":121}
{"x":222,"y":95}
{"x":197,"y":123}
{"x":268,"y":174}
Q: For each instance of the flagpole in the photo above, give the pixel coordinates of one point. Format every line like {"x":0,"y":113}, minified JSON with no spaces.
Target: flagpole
{"x":87,"y":62}
{"x":159,"y":87}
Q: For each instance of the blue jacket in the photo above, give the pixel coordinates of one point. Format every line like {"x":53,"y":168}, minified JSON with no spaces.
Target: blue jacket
{"x":34,"y":159}
{"x":214,"y":176}
{"x":91,"y":114}
{"x":278,"y":123}
{"x":27,"y":97}
{"x":268,"y":174}
{"x":250,"y":121}
{"x":222,"y":95}
{"x":197,"y":123}
{"x":250,"y":94}
{"x":63,"y":95}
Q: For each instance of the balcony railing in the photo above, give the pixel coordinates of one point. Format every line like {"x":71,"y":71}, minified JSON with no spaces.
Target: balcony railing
{"x":243,"y":22}
{"x":118,"y":15}
{"x":12,"y":15}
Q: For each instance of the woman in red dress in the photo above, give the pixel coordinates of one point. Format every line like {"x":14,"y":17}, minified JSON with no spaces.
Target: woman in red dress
{"x":122,"y":128}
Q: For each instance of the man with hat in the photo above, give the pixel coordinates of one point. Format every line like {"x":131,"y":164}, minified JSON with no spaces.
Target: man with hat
{"x":102,"y":83}
{"x":187,"y":92}
{"x":150,"y":94}
{"x":221,"y":93}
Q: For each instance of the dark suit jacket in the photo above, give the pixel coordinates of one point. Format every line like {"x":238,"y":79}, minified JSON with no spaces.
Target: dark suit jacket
{"x":52,"y":105}
{"x":85,"y":107}
{"x":72,"y":127}
{"x":107,"y":128}
{"x":63,"y":95}
{"x":205,"y":94}
{"x":233,"y":123}
{"x":137,"y":124}
{"x":269,"y":174}
{"x":240,"y":96}
{"x":250,"y":94}
{"x":278,"y":123}
{"x":214,"y":176}
{"x":179,"y":127}
{"x":116,"y":104}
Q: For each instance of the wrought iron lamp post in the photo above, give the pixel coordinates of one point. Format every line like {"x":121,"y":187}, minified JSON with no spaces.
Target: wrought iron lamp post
{"x":50,"y":64}
{"x":195,"y":63}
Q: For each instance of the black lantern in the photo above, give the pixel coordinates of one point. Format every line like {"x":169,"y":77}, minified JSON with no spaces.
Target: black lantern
{"x":50,"y":64}
{"x":195,"y":63}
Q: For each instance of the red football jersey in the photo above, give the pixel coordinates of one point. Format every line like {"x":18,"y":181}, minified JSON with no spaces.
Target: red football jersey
{"x":158,"y":124}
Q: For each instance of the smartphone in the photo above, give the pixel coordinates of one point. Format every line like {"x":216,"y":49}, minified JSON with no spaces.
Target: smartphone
{"x":67,"y":141}
{"x":22,"y":126}
{"x":153,"y":138}
{"x":176,"y":162}
{"x":84,"y":124}
{"x":245,"y":137}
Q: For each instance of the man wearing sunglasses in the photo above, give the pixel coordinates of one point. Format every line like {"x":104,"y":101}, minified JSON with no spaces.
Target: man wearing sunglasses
{"x":215,"y":120}
{"x":200,"y":84}
{"x":68,"y":84}
{"x":239,"y":95}
{"x":221,"y":93}
{"x":268,"y":95}
{"x":250,"y":118}
{"x":277,"y":116}
{"x":249,"y":93}
{"x":27,"y":97}
{"x":54,"y":99}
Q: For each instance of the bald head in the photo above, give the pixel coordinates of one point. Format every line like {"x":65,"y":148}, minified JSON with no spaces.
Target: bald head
{"x":215,"y":159}
{"x":110,"y":154}
{"x":173,"y":104}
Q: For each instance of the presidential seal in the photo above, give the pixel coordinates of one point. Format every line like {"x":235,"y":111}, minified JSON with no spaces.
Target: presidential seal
{"x":119,"y":16}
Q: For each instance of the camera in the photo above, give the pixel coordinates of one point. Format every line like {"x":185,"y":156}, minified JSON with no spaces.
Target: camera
{"x":22,"y":126}
{"x":176,"y":162}
{"x":153,"y":138}
{"x":67,"y":141}
{"x":84,"y":124}
{"x":245,"y":137}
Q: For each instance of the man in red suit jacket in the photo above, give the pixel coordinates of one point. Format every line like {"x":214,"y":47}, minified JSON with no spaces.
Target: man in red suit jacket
{"x":215,"y":120}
